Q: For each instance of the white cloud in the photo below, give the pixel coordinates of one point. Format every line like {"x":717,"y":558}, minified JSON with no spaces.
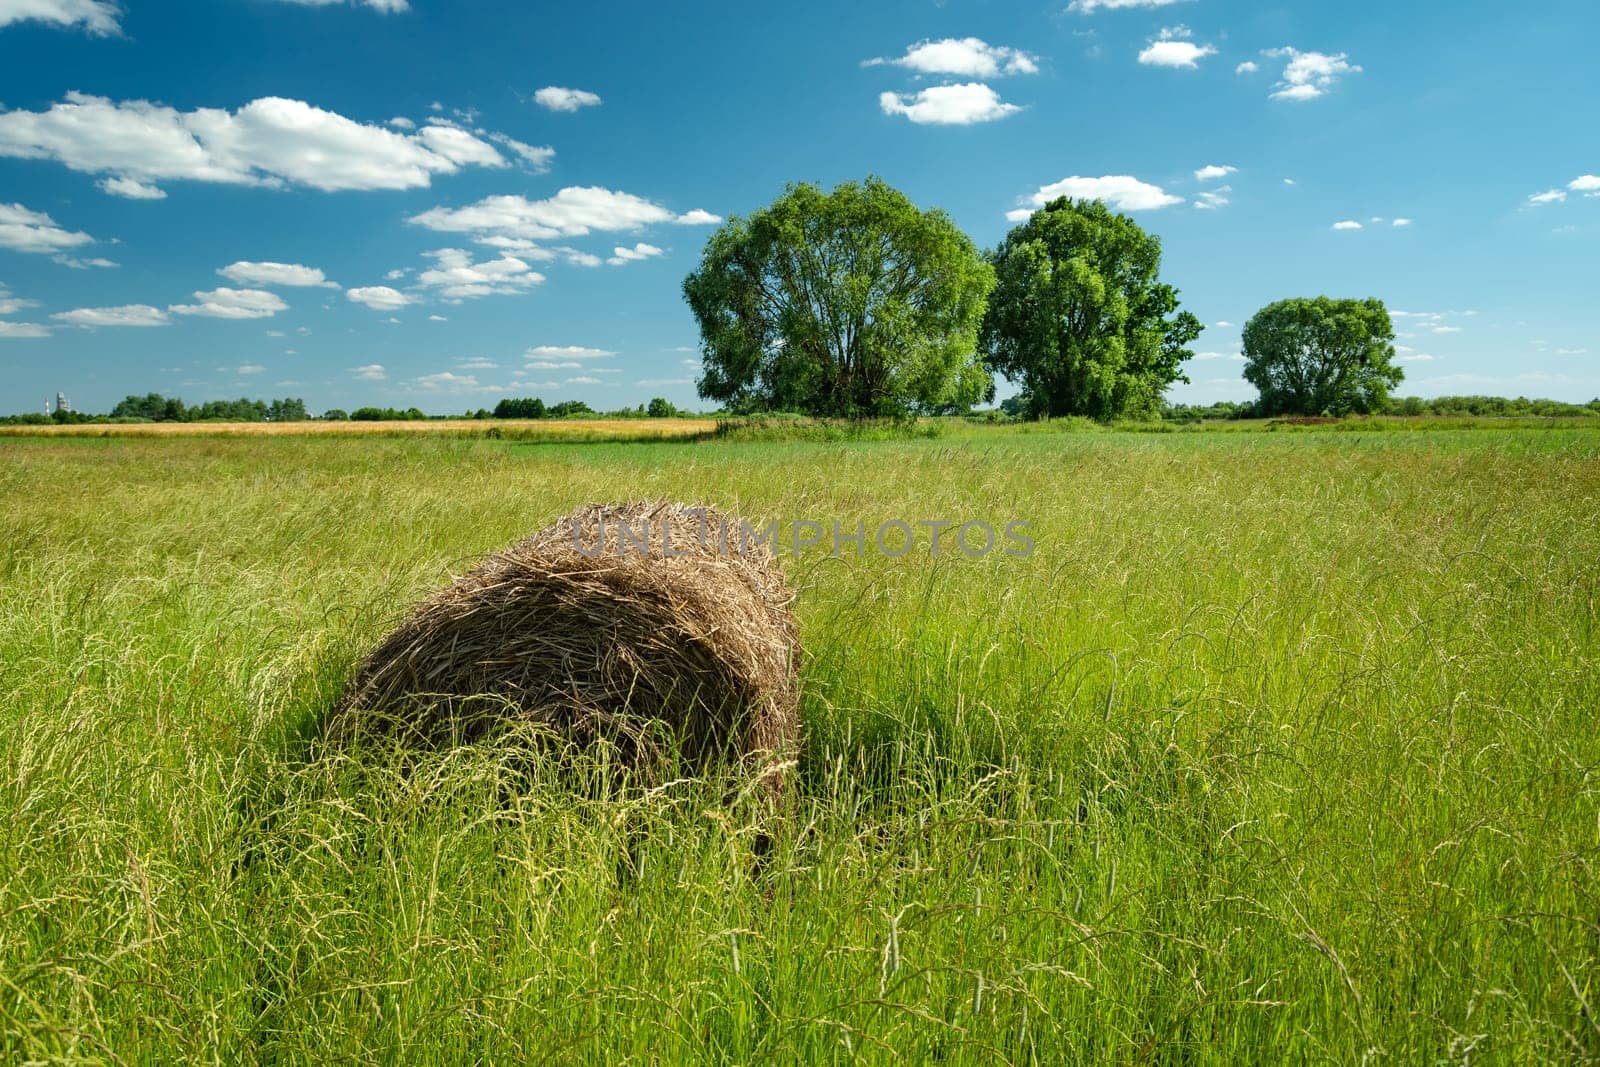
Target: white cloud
{"x":126,"y":315}
{"x":1553,"y":196}
{"x":128,"y":188}
{"x":1247,"y":67}
{"x":1446,"y":329}
{"x":1121,"y":191}
{"x":568,"y":352}
{"x":378,"y":297}
{"x":10,"y":305}
{"x":537,"y":157}
{"x":1419,"y":357}
{"x":250,"y":368}
{"x":1222,"y":324}
{"x":648,"y":382}
{"x":477,"y":363}
{"x":291,"y":275}
{"x":1211,"y":199}
{"x":1172,"y":48}
{"x":1213,"y":172}
{"x":554,"y":364}
{"x":22,"y":230}
{"x":455,"y":276}
{"x":388,"y":7}
{"x":1089,"y":7}
{"x":437,"y":318}
{"x":584,"y":380}
{"x":23,"y":330}
{"x":1288,"y":181}
{"x":1401,"y":222}
{"x":620,"y":255}
{"x":400,"y":122}
{"x":1588,"y":185}
{"x":1572,"y":351}
{"x":83,"y":264}
{"x":966,"y":57}
{"x":225,"y":303}
{"x":450,"y":382}
{"x":272,"y":141}
{"x":1347,"y":224}
{"x":948,"y":105}
{"x":372,"y":372}
{"x":98,"y":17}
{"x":556,"y":98}
{"x":1309,"y":75}
{"x":698,"y":217}
{"x":573,"y":212}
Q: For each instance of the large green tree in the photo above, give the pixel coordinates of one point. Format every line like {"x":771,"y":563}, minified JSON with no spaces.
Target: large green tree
{"x":1321,"y":356}
{"x":1079,"y":317}
{"x":849,"y":303}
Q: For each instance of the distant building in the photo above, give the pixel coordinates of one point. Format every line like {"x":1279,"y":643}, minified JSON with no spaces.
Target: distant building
{"x":62,"y":403}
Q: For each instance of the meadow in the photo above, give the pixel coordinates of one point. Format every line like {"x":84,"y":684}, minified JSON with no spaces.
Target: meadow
{"x":1281,"y":747}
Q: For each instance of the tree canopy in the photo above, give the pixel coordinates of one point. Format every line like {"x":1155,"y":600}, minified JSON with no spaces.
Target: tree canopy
{"x":1321,"y":356}
{"x":849,"y":303}
{"x":1080,"y":318}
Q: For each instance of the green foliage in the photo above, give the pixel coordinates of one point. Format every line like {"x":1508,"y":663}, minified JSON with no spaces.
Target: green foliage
{"x":1080,"y":318}
{"x":1321,"y":356}
{"x":570,"y":409}
{"x":661,"y":408}
{"x":335,"y":415}
{"x":853,"y":303}
{"x":526,"y":408}
{"x":387,"y":415}
{"x":153,"y":407}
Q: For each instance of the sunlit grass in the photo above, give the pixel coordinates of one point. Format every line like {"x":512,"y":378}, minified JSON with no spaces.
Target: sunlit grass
{"x":1281,"y":747}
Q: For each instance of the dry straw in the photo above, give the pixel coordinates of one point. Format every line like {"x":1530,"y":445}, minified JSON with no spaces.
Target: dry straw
{"x":675,"y":646}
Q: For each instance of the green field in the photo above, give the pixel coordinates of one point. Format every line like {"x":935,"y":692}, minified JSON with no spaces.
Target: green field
{"x":1282,"y":747}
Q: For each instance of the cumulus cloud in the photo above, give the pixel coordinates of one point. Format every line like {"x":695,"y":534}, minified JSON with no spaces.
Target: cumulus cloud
{"x":1401,"y":222}
{"x":10,"y":305}
{"x":620,"y":255}
{"x":1347,"y":224}
{"x":568,"y":352}
{"x":573,"y":212}
{"x":966,"y":57}
{"x":225,"y":303}
{"x":288,"y":275}
{"x":98,"y":17}
{"x":129,"y":189}
{"x":125,"y":315}
{"x":272,"y":141}
{"x":1213,"y":172}
{"x":454,"y":276}
{"x":1212,"y":199}
{"x":450,"y":382}
{"x":948,"y":105}
{"x":1247,"y":67}
{"x":1309,"y":75}
{"x":535,"y":157}
{"x":378,"y":297}
{"x":557,"y":98}
{"x":1172,"y":48}
{"x":372,"y":372}
{"x":1588,"y":185}
{"x":1121,"y":191}
{"x":1089,"y":7}
{"x":1552,"y":196}
{"x":23,"y":330}
{"x":388,"y":7}
{"x":22,"y":230}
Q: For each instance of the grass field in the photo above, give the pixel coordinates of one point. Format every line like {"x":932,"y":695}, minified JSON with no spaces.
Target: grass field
{"x":1281,"y":747}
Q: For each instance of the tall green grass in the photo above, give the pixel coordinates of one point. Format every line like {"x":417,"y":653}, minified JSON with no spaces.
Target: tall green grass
{"x":1280,"y":748}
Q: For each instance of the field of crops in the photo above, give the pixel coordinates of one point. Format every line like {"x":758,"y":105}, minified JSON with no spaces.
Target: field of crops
{"x":1280,"y":747}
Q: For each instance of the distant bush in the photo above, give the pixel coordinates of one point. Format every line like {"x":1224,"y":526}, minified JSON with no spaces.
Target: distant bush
{"x":387,"y":415}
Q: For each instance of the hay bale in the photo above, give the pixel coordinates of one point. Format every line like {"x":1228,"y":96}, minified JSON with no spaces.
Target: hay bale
{"x":657,"y":640}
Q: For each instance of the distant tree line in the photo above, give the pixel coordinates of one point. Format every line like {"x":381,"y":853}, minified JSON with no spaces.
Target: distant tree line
{"x":1458,"y":406}
{"x":153,"y":407}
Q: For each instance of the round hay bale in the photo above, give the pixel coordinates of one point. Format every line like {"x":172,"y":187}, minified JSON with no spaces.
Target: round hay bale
{"x":640,"y":624}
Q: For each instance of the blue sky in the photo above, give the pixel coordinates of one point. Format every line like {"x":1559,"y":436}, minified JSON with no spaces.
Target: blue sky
{"x":421,"y":202}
